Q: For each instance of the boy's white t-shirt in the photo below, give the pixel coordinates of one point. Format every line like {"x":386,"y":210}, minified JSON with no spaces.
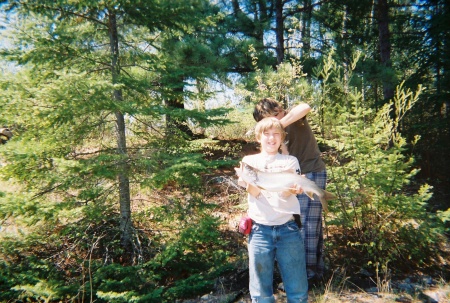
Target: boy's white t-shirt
{"x":270,"y":208}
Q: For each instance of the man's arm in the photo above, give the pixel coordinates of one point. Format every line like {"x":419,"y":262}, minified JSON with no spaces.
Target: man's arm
{"x":296,"y":113}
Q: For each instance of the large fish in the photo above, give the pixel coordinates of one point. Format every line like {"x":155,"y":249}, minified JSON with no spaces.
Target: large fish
{"x":281,"y":181}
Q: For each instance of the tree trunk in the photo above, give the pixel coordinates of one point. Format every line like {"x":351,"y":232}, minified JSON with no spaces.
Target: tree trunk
{"x":279,"y":30}
{"x":124,"y":182}
{"x":306,"y":29}
{"x":385,"y":46}
{"x":345,"y":59}
{"x":173,"y":124}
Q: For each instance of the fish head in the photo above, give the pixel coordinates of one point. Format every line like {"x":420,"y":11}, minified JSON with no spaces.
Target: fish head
{"x":250,"y":171}
{"x":238,"y":170}
{"x":247,"y":173}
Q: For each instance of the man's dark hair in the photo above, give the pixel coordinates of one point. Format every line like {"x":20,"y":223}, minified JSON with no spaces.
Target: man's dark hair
{"x":265,"y":108}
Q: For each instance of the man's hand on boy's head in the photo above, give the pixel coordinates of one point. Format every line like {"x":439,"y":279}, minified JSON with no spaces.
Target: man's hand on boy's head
{"x":296,"y":113}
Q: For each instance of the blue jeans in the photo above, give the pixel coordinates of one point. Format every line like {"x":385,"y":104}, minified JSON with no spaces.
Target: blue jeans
{"x":283,"y":243}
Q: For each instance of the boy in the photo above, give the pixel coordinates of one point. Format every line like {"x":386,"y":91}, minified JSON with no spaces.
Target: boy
{"x":275,"y":235}
{"x":302,"y":144}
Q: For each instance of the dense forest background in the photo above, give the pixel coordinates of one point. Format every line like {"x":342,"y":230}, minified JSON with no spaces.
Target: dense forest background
{"x":128,"y":117}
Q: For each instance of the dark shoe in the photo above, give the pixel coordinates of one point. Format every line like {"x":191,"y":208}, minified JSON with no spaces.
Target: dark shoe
{"x":315,"y":282}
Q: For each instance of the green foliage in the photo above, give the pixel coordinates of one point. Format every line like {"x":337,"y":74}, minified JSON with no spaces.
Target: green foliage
{"x":116,"y":283}
{"x":86,"y":106}
{"x":380,"y":215}
{"x":184,"y":170}
{"x":33,"y":277}
{"x":58,"y":208}
{"x":181,"y":257}
{"x":444,"y":215}
{"x":222,"y":151}
{"x":197,"y":253}
{"x":188,"y":259}
{"x":371,"y":172}
{"x":182,"y":163}
{"x":288,"y":84}
{"x":194,"y":285}
{"x":186,"y":254}
{"x":240,"y":128}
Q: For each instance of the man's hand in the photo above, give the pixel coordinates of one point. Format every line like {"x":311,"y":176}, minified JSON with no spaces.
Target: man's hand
{"x":294,"y":190}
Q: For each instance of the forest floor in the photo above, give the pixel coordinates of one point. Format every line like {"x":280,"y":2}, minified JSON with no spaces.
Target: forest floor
{"x":339,"y":285}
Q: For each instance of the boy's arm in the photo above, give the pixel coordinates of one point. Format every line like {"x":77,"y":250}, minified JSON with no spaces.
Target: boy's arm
{"x":250,"y":188}
{"x":296,"y":113}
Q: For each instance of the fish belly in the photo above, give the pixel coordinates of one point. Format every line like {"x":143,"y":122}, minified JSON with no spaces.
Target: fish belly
{"x":276,"y":182}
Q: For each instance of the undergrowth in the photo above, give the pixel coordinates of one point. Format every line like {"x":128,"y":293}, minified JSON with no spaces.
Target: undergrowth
{"x":64,"y":245}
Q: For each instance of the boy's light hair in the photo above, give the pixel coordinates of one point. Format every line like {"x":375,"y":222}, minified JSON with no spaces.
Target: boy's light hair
{"x":269,"y":123}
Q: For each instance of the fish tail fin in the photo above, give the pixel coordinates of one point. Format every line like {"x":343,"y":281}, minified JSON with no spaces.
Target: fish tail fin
{"x":324,"y":199}
{"x":324,"y":204}
{"x":328,"y":196}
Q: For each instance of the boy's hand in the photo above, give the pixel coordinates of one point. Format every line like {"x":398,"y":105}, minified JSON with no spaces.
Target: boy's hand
{"x":253,"y":190}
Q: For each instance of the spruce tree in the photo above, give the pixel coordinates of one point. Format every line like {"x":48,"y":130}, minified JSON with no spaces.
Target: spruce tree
{"x":94,"y":77}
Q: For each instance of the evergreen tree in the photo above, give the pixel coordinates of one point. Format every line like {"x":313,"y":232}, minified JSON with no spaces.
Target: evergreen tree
{"x":92,"y":72}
